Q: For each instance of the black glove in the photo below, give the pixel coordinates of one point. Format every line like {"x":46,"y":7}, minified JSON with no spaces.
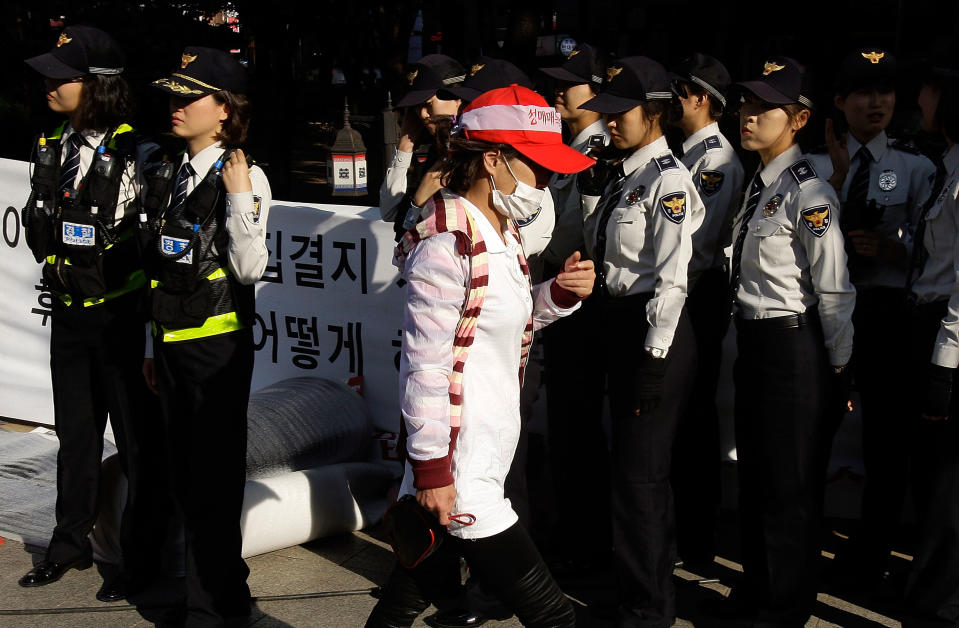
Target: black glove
{"x":936,"y":391}
{"x":593,"y":181}
{"x":649,"y":391}
{"x":842,"y":389}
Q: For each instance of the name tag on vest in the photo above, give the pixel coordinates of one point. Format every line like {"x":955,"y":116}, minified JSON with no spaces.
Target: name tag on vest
{"x":175,"y":246}
{"x":79,"y":235}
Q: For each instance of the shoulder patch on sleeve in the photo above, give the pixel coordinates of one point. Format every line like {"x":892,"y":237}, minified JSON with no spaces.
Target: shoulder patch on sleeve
{"x":712,"y":142}
{"x":904,"y":146}
{"x":666,"y":162}
{"x":674,"y":206}
{"x":710,"y":181}
{"x":816,"y":219}
{"x":802,"y":171}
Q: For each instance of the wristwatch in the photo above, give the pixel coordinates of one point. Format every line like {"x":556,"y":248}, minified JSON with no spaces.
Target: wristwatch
{"x":656,"y":352}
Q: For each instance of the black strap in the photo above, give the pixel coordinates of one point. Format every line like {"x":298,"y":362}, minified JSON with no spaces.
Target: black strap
{"x":919,"y":254}
{"x":605,"y":208}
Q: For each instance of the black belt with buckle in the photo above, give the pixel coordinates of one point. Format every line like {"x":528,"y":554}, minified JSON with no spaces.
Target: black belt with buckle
{"x":790,"y":321}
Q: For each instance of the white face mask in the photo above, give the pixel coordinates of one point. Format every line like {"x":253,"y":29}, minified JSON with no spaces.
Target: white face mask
{"x":524,"y":202}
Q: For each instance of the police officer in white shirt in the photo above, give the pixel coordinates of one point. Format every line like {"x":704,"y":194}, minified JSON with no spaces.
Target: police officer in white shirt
{"x":640,"y":217}
{"x":793,"y":310}
{"x":882,"y":184}
{"x":575,"y":399}
{"x":702,"y":83}
{"x":932,"y":593}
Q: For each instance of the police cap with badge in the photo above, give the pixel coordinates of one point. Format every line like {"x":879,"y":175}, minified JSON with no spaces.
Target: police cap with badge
{"x":429,"y":75}
{"x":585,"y":64}
{"x":80,"y":50}
{"x":783,"y":81}
{"x":706,"y":72}
{"x":204,"y":71}
{"x":486,"y":74}
{"x":866,"y":68}
{"x":630,"y":82}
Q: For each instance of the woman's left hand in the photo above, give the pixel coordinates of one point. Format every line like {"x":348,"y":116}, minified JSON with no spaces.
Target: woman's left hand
{"x":577,"y":276}
{"x":236,"y":174}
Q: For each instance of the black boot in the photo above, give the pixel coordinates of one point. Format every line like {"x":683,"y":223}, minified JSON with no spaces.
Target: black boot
{"x":537,"y":600}
{"x":400,"y":602}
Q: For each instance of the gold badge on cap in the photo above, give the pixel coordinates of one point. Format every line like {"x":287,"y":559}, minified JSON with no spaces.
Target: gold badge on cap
{"x":412,"y":76}
{"x":873,"y":56}
{"x":612,"y":73}
{"x":771,"y":67}
{"x":476,"y":68}
{"x":63,"y":39}
{"x":573,"y":54}
{"x":186,"y":60}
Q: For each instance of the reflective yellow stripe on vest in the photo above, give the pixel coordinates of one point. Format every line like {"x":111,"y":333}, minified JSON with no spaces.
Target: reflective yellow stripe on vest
{"x":212,"y":326}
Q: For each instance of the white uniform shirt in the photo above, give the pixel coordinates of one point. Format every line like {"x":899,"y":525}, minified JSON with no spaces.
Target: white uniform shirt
{"x":899,"y":183}
{"x":718,"y":175}
{"x":793,"y":256}
{"x":568,"y":232}
{"x":942,"y":232}
{"x":393,"y":187}
{"x":129,"y":184}
{"x":490,"y":426}
{"x":648,"y":244}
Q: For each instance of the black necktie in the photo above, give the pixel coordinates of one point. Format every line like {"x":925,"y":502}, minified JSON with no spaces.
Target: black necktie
{"x":182,"y":180}
{"x":605,"y":208}
{"x":860,"y":181}
{"x":736,"y":266}
{"x":919,"y":254}
{"x":71,"y":165}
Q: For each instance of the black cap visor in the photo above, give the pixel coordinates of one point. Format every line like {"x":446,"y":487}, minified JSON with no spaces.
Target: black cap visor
{"x":466,"y":94}
{"x":562,"y":74}
{"x":51,"y":67}
{"x":416,"y":97}
{"x":766,"y":92}
{"x":610,"y":103}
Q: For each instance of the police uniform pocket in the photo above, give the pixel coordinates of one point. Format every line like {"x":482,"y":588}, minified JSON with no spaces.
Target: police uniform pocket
{"x":765,"y":228}
{"x":180,"y":311}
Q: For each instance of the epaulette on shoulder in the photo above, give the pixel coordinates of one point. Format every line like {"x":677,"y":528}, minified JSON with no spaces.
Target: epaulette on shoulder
{"x":713,"y":143}
{"x":802,"y":171}
{"x":666,"y":162}
{"x":905,"y":146}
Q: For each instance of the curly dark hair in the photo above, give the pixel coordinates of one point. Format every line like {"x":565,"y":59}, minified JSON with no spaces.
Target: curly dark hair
{"x":464,"y":162}
{"x":237,"y":124}
{"x":105,"y":103}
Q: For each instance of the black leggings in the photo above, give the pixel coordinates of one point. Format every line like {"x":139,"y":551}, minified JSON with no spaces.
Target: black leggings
{"x":506,"y":564}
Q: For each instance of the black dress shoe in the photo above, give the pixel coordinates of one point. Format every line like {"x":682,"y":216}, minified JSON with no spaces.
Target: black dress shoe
{"x":47,"y":571}
{"x":456,"y":618}
{"x":113,"y":590}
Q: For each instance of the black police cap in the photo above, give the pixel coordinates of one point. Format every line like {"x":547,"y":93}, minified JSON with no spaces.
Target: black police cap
{"x":204,"y":71}
{"x":783,"y":81}
{"x":429,"y":75}
{"x":80,"y":50}
{"x":867,"y":67}
{"x":485,"y":74}
{"x":630,"y":82}
{"x":706,"y":72}
{"x":584,"y":64}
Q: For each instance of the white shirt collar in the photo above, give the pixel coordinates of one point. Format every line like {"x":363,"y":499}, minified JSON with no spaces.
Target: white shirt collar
{"x":582,"y":138}
{"x":91,"y":137}
{"x":710,"y":129}
{"x":204,"y":159}
{"x":774,"y":168}
{"x":644,"y":154}
{"x":877,"y":146}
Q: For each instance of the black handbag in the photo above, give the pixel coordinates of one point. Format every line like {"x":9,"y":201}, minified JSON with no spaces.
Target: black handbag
{"x":413,"y":532}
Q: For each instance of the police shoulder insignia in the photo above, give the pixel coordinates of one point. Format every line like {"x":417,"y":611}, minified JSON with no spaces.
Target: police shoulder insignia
{"x":816,"y":219}
{"x":674,"y":206}
{"x":905,"y":147}
{"x":802,"y":171}
{"x":712,"y":142}
{"x":666,"y":162}
{"x":256,"y":208}
{"x":186,"y":60}
{"x":635,"y":194}
{"x":63,"y":39}
{"x":710,"y":181}
{"x":772,"y":206}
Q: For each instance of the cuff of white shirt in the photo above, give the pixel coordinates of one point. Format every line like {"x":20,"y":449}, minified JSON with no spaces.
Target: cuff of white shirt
{"x":840,"y":356}
{"x":402,"y":159}
{"x":946,"y":355}
{"x":659,"y":338}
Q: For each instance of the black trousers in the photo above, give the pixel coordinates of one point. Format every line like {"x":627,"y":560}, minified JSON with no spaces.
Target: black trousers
{"x":697,"y":471}
{"x":881,"y":366}
{"x":933,"y":587}
{"x":579,"y":453}
{"x":204,"y":389}
{"x":644,"y":543}
{"x":96,"y":358}
{"x":783,"y":434}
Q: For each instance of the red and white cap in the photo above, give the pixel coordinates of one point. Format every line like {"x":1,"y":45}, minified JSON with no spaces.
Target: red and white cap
{"x":518,"y":116}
